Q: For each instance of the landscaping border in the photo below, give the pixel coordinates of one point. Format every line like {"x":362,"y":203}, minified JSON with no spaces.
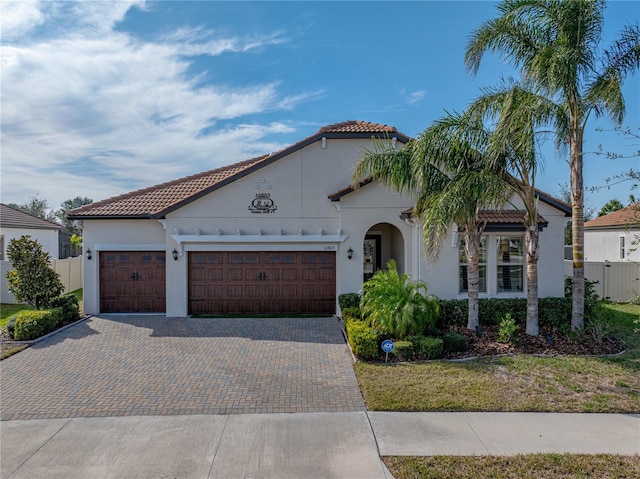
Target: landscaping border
{"x":37,"y":340}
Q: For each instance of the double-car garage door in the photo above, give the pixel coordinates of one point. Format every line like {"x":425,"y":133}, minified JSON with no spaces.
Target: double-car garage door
{"x":222,"y":282}
{"x":262,"y":282}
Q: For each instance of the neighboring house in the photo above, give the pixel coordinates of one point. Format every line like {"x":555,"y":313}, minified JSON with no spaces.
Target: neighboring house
{"x":15,"y":224}
{"x":286,"y":233}
{"x":614,"y":237}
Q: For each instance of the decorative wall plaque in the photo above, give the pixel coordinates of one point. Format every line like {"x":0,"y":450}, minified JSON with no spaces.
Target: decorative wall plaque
{"x":262,"y":204}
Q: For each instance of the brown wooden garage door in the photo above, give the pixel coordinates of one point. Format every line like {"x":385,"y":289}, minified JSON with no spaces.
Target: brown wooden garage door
{"x":132,"y":282}
{"x":262,"y":282}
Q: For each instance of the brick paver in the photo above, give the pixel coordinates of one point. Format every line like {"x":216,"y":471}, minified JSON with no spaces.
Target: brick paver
{"x":152,"y":365}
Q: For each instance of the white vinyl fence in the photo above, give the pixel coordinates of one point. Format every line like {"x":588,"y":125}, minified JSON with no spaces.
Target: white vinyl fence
{"x":618,"y":282}
{"x":70,"y":271}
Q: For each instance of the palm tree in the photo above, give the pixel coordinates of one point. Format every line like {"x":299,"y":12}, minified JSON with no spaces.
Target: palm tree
{"x":555,"y":44}
{"x":516,"y":113}
{"x":446,"y":174}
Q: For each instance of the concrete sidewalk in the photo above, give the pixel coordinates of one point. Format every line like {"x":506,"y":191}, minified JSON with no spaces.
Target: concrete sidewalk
{"x":504,"y":434}
{"x":313,"y":445}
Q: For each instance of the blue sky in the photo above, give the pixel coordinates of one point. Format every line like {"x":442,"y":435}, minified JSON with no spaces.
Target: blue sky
{"x":100,"y":98}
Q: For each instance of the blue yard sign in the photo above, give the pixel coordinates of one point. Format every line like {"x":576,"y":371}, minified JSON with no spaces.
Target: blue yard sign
{"x":387,"y":347}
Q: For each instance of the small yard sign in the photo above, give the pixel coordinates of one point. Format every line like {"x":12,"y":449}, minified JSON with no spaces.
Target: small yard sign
{"x":387,"y":347}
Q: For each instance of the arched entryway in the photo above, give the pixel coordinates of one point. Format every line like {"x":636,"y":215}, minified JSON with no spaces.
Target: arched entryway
{"x":381,"y":243}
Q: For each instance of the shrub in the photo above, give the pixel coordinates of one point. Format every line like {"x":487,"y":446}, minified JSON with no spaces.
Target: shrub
{"x":11,"y":326}
{"x":362,"y":339}
{"x":351,"y":313}
{"x":32,"y":279}
{"x":432,"y":348}
{"x":403,"y":350}
{"x":33,"y":324}
{"x":554,"y":313}
{"x":69,"y":305}
{"x":453,"y":312}
{"x":597,"y":324}
{"x":348,"y":300}
{"x":396,"y":306}
{"x":454,"y":342}
{"x":508,"y":330}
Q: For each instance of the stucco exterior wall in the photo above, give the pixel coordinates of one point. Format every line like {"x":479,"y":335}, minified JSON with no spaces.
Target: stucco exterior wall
{"x":115,"y":235}
{"x":47,"y":238}
{"x":604,"y":244}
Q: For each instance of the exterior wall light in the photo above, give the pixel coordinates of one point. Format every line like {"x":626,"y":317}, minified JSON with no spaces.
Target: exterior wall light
{"x":174,"y":253}
{"x":89,"y":255}
{"x":349,"y":253}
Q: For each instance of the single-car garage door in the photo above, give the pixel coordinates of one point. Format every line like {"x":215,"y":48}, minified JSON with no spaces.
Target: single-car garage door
{"x":132,"y":282}
{"x":262,"y":282}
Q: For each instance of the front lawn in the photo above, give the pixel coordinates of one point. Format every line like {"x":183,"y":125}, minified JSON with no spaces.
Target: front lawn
{"x":514,"y":383}
{"x":529,"y":466}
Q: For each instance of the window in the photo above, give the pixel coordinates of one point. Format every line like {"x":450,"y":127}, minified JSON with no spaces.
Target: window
{"x":621,"y":247}
{"x":510,"y":262}
{"x":482,"y":263}
{"x":2,"y":248}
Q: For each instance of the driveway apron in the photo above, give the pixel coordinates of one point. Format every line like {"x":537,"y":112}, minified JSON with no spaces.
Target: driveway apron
{"x":153,"y":365}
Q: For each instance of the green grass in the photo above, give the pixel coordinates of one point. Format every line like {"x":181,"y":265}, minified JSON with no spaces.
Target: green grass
{"x":529,"y":466}
{"x":514,"y":383}
{"x":8,"y":310}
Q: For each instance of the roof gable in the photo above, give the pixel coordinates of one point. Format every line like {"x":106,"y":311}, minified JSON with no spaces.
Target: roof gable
{"x":623,"y":218}
{"x":13,"y":218}
{"x":157,"y":201}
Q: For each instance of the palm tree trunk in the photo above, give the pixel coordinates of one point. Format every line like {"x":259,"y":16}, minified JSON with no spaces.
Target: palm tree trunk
{"x":472,"y":251}
{"x":531,"y":238}
{"x":577,"y":228}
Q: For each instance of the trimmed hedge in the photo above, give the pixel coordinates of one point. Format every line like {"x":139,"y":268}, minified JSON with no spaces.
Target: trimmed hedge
{"x":403,"y":349}
{"x":69,"y":305}
{"x":31,"y":324}
{"x":351,"y":313}
{"x":27,"y":325}
{"x":432,"y":348}
{"x":362,"y":339}
{"x":349,"y":300}
{"x":453,"y":342}
{"x":552,"y":312}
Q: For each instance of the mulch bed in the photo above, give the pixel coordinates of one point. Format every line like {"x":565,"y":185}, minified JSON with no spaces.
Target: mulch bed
{"x":553,"y":344}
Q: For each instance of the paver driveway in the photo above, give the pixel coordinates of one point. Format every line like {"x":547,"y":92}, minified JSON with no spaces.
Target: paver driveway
{"x":152,"y":365}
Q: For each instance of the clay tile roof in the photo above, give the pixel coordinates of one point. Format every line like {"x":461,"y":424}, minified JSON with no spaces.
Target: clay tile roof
{"x":505,"y":217}
{"x":355,"y":126}
{"x":158,"y":200}
{"x":13,"y":218}
{"x":622,"y":218}
{"x":493,"y":217}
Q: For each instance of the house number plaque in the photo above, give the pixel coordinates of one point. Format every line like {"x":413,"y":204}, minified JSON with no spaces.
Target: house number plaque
{"x":262,"y":204}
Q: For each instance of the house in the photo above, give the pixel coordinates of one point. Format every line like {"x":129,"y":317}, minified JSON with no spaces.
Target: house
{"x":287,"y":233}
{"x":15,"y":224}
{"x":614,"y":237}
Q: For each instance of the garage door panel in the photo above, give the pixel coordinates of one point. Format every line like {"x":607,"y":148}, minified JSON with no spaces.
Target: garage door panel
{"x":132,"y":282}
{"x":214,"y":275}
{"x":234,"y":274}
{"x":263,"y":282}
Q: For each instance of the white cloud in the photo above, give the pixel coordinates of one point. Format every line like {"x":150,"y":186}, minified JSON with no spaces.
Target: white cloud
{"x":94,"y":112}
{"x":19,"y":17}
{"x":415,"y":97}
